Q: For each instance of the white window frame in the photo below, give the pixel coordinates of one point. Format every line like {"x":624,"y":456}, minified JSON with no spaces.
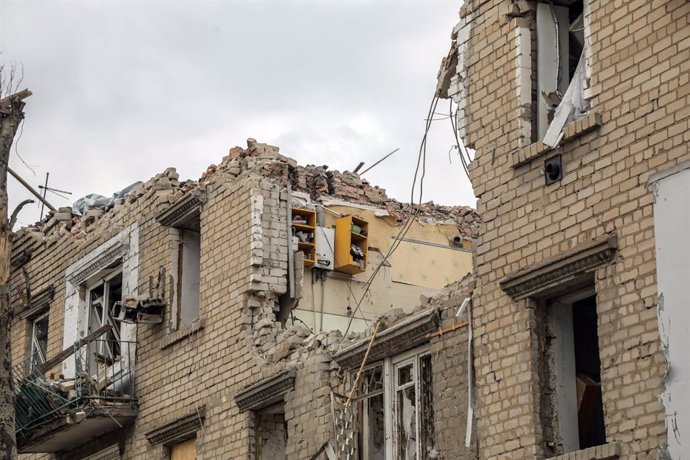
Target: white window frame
{"x":80,"y":275}
{"x":35,"y":347}
{"x":100,"y":345}
{"x":390,"y":367}
{"x":411,"y":357}
{"x":550,"y":47}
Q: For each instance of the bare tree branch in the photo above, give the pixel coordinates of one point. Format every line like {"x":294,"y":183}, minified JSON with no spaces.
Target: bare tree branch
{"x":13,"y":218}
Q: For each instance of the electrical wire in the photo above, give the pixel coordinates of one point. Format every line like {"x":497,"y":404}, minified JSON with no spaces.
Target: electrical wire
{"x":465,"y":161}
{"x":421,"y":163}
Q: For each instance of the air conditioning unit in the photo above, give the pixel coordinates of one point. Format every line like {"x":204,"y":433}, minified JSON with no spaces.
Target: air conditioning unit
{"x":325,"y":242}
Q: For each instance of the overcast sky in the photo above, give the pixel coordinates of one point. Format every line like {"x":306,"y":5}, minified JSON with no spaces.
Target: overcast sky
{"x":124,"y":89}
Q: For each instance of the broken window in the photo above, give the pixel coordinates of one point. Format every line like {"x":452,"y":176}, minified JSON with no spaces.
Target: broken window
{"x":39,"y":339}
{"x":560,"y":66}
{"x":399,"y":422}
{"x":371,"y":414}
{"x":271,"y":433}
{"x":101,"y":297}
{"x":572,"y":403}
{"x":188,"y":275}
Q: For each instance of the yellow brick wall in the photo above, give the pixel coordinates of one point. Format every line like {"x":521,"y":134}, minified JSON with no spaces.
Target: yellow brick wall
{"x":640,"y":68}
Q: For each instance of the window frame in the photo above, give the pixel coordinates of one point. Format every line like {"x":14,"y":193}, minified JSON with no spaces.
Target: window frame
{"x":105,"y":280}
{"x":390,"y":390}
{"x":33,"y":345}
{"x":544,"y":79}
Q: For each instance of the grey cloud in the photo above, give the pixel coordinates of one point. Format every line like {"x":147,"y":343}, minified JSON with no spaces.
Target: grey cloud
{"x":124,"y":89}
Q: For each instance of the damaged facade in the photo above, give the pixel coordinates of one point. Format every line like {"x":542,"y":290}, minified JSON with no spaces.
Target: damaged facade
{"x":577,"y":113}
{"x":200,"y":319}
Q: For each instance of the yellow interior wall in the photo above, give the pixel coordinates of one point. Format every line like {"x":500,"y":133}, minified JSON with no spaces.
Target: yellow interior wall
{"x":415,"y":268}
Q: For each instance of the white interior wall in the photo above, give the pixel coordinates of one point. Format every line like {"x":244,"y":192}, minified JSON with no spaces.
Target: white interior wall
{"x":671,"y":228}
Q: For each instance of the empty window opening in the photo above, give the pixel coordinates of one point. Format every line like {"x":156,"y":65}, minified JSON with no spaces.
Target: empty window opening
{"x":590,"y":409}
{"x":39,"y":340}
{"x":189,"y":276}
{"x":560,"y":45}
{"x":101,"y":298}
{"x":572,"y":407}
{"x":271,"y":433}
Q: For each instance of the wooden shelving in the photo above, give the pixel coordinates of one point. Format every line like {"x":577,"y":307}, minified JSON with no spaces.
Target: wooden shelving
{"x":304,"y":228}
{"x":351,"y":244}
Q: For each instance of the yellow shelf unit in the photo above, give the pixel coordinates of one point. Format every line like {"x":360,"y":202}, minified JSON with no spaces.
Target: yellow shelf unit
{"x":351,"y":244}
{"x":304,"y":227}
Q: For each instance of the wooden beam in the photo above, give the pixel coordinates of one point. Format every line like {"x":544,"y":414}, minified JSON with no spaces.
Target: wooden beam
{"x":67,"y":352}
{"x":30,"y":189}
{"x":456,"y":325}
{"x":13,"y":98}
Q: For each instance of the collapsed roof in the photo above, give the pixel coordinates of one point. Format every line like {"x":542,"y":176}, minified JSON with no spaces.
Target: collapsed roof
{"x":321,"y":184}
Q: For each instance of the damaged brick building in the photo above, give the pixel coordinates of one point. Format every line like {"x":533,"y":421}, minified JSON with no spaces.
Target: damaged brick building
{"x":577,"y":111}
{"x":200,"y":319}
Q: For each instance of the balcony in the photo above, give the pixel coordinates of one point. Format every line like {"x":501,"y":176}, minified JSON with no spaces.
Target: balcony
{"x":57,"y":414}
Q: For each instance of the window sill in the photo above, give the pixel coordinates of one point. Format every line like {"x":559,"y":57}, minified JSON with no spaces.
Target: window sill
{"x":608,"y":451}
{"x":572,"y":130}
{"x":196,"y":327}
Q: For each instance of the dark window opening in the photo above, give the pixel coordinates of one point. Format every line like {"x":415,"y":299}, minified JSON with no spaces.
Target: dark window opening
{"x":571,"y":405}
{"x":590,"y":408}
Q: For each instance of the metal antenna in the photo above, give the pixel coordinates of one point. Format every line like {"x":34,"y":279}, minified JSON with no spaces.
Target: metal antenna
{"x":369,"y":168}
{"x":56,"y":191}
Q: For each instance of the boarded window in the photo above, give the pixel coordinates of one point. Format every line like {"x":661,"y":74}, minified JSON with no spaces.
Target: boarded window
{"x":184,"y":451}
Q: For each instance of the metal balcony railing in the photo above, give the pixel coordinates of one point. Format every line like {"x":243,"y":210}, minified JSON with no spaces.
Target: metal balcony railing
{"x":102,"y":377}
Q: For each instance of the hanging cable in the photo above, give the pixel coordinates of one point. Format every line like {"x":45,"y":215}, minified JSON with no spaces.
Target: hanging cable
{"x":421,"y":164}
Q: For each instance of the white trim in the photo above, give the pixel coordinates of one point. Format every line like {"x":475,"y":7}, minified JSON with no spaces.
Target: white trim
{"x":124,"y":246}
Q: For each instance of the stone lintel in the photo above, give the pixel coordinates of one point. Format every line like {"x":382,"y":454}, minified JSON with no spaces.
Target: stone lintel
{"x":560,"y":270}
{"x":104,"y":256}
{"x":184,"y":211}
{"x":179,"y":430}
{"x":266,"y":392}
{"x":406,"y":335}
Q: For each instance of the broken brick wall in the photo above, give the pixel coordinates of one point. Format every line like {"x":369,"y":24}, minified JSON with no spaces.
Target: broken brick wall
{"x":638,"y":89}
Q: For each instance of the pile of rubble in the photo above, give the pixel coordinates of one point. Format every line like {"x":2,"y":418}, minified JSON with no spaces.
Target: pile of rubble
{"x":260,"y":159}
{"x":323,"y":184}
